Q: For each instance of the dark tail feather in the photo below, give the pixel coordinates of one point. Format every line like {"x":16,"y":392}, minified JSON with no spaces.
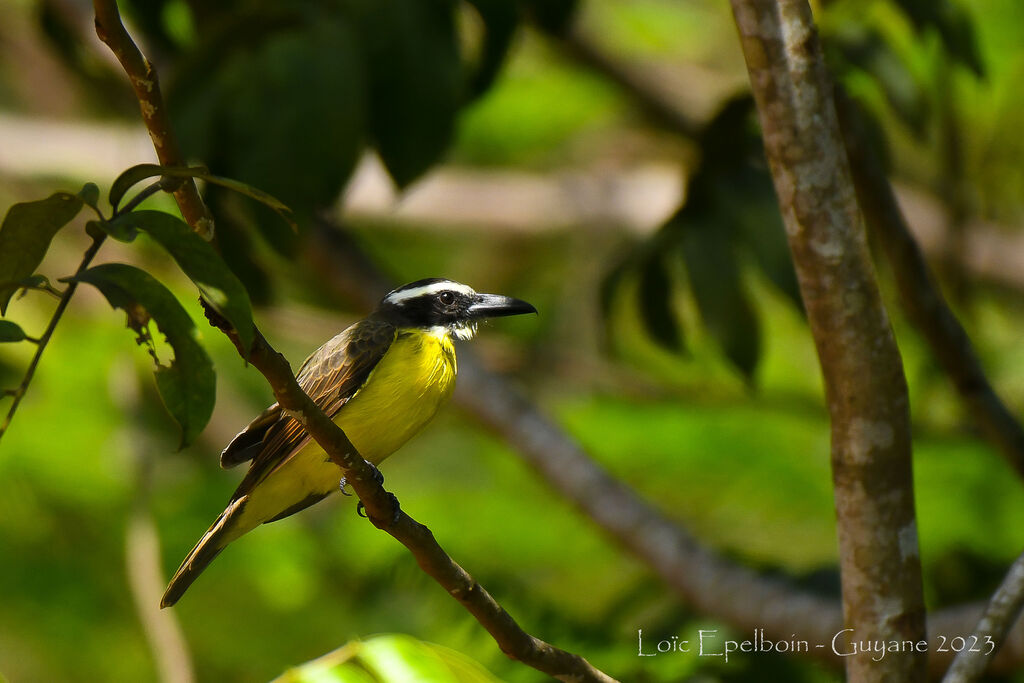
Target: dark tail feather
{"x":208,"y":547}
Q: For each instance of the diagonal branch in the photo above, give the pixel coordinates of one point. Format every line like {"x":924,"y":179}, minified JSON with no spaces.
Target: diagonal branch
{"x":381,"y":507}
{"x":921,"y":297}
{"x":991,"y":632}
{"x":713,"y":584}
{"x":146,"y":86}
{"x":44,"y":340}
{"x":385,"y":514}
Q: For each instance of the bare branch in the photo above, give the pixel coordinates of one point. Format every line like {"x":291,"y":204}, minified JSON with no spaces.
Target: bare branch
{"x":146,"y":86}
{"x":381,"y":507}
{"x":921,"y":297}
{"x":385,"y":514}
{"x":991,"y":632}
{"x":711,"y":583}
{"x":865,"y":387}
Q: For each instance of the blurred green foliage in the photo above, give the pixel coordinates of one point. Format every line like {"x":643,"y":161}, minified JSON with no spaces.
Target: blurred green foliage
{"x":746,"y":470}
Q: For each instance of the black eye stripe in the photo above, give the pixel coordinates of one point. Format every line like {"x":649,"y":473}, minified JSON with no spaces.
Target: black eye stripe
{"x":446,"y":298}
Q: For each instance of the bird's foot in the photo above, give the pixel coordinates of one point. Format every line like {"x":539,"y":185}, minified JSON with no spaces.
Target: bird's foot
{"x":376,"y":473}
{"x":395,"y":506}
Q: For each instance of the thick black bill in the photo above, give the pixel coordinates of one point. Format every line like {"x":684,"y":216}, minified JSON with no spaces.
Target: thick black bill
{"x":496,"y":305}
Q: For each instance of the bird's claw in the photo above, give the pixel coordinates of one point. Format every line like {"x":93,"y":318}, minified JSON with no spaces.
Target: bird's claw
{"x":376,"y":473}
{"x":395,"y":506}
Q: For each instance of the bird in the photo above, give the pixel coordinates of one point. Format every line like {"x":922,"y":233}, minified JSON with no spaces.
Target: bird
{"x":381,"y":380}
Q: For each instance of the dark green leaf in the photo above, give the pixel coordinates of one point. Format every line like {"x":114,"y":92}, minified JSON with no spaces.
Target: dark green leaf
{"x":140,"y":172}
{"x":25,"y":236}
{"x":954,"y":25}
{"x":129,"y":178}
{"x":119,"y":230}
{"x":861,"y":49}
{"x":202,"y":264}
{"x":500,"y":19}
{"x":293,"y":112}
{"x":188,"y":385}
{"x":715,"y":281}
{"x":552,"y":16}
{"x":90,"y":195}
{"x":415,"y":81}
{"x":11,"y":332}
{"x":656,"y":312}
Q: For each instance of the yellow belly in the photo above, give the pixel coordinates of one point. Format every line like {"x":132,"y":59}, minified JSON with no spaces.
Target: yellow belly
{"x":399,"y":398}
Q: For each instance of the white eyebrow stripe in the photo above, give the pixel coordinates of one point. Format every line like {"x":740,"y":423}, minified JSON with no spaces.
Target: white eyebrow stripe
{"x":433,"y":288}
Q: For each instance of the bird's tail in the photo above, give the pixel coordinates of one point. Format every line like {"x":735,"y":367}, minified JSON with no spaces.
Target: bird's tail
{"x":216,"y":538}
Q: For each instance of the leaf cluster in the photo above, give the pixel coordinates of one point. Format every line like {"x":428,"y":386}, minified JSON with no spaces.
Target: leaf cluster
{"x":187,"y":384}
{"x":730,"y":221}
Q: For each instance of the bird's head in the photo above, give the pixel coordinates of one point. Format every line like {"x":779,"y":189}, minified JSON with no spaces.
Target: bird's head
{"x":447,"y":306}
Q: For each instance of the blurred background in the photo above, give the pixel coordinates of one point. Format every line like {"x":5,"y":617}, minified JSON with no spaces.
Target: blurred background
{"x":596,"y":158}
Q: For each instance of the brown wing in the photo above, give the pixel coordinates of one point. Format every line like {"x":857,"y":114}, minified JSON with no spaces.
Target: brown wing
{"x":331,"y":376}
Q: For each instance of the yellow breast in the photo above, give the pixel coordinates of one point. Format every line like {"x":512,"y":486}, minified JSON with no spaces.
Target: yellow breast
{"x":401,"y":395}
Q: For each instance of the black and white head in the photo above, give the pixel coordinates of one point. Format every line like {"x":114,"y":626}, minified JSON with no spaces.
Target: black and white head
{"x":446,"y":307}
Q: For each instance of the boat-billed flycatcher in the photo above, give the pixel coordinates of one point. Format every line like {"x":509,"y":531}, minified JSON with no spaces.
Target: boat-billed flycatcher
{"x":381,"y":380}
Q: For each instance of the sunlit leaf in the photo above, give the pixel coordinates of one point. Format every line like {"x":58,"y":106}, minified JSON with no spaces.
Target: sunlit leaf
{"x":415,"y":81}
{"x":11,"y":332}
{"x":218,"y":285}
{"x":25,"y":236}
{"x":188,"y":385}
{"x":388,"y":658}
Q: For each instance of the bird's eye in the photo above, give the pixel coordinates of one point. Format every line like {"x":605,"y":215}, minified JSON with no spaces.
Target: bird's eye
{"x":446,"y":298}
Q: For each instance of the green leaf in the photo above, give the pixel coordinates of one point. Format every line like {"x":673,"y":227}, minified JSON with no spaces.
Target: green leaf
{"x":188,"y":385}
{"x":292,"y":112}
{"x":714,"y":276}
{"x":90,"y":195}
{"x":415,"y":81}
{"x":26,"y":233}
{"x":194,"y":255}
{"x":655,"y":294}
{"x":859,"y":49}
{"x":119,"y":230}
{"x":390,"y":658}
{"x":11,"y":332}
{"x":129,"y":178}
{"x":500,"y":19}
{"x":552,"y":16}
{"x":953,"y":23}
{"x":135,"y":174}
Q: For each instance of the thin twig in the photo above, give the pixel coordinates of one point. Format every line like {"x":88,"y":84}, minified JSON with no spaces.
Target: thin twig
{"x":142,"y":196}
{"x":42,"y":342}
{"x":990,"y":634}
{"x":143,"y":78}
